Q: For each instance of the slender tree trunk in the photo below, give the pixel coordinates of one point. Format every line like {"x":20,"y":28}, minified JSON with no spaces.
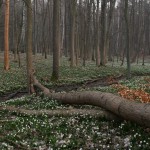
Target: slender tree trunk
{"x":63,"y":3}
{"x":6,"y":36}
{"x":109,"y":26}
{"x":84,"y":37}
{"x":127,"y":40}
{"x":97,"y":39}
{"x":29,"y":47}
{"x":34,"y":34}
{"x":15,"y":31}
{"x":73,"y":13}
{"x":66,"y":30}
{"x":43,"y":30}
{"x":143,"y":58}
{"x":20,"y":36}
{"x":56,"y":39}
{"x":103,"y":31}
{"x":88,"y":31}
{"x":94,"y":31}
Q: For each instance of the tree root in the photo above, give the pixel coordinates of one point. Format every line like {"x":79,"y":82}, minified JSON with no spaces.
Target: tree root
{"x":128,"y":110}
{"x":63,"y":112}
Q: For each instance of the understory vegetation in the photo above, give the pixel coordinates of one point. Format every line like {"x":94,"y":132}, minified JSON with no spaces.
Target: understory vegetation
{"x":23,"y":131}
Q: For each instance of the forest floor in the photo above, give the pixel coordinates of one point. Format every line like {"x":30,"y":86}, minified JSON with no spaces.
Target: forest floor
{"x":23,"y":131}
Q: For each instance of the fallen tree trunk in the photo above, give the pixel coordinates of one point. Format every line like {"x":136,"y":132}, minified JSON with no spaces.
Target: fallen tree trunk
{"x":128,"y":110}
{"x":63,"y":112}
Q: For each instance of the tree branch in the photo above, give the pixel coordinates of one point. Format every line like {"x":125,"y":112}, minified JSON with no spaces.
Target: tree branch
{"x":63,"y":112}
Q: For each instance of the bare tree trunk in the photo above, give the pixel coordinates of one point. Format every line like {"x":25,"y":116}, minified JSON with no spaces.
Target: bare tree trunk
{"x":63,"y":3}
{"x":72,"y":51}
{"x":129,"y":110}
{"x":34,"y":27}
{"x":107,"y":37}
{"x":29,"y":47}
{"x":6,"y":36}
{"x":15,"y":31}
{"x":88,"y":30}
{"x":64,"y":112}
{"x":56,"y":39}
{"x":127,"y":40}
{"x":43,"y":31}
{"x":20,"y":36}
{"x":97,"y":39}
{"x":103,"y":31}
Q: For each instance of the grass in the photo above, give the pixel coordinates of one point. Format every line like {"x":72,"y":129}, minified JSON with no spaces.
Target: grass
{"x":78,"y":132}
{"x":19,"y":131}
{"x":15,"y":79}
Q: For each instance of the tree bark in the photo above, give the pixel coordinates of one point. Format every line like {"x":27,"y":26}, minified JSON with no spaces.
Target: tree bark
{"x":6,"y":36}
{"x":29,"y":47}
{"x":109,"y":26}
{"x":103,"y":32}
{"x":15,"y":31}
{"x":128,"y":110}
{"x":64,"y":112}
{"x":72,"y":35}
{"x":127,"y":40}
{"x":56,"y":40}
{"x":97,"y":36}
